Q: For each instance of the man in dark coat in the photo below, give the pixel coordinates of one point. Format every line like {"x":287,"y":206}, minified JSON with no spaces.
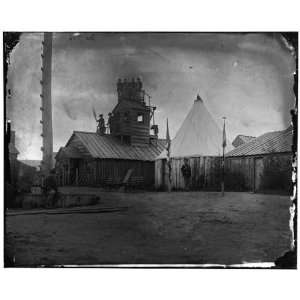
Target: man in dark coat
{"x":186,"y":173}
{"x":101,"y":125}
{"x":50,"y":186}
{"x":109,"y":122}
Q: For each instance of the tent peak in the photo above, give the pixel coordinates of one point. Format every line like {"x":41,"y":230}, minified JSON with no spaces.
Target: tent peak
{"x":198,"y":98}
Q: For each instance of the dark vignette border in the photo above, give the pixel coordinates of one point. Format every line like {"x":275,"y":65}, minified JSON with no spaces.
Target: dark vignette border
{"x":289,"y":259}
{"x":286,"y":261}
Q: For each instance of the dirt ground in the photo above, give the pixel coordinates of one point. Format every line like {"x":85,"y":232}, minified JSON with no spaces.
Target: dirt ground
{"x":157,"y":228}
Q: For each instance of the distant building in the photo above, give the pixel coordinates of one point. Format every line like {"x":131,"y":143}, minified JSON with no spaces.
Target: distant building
{"x":25,"y":177}
{"x":13,"y":157}
{"x":13,"y":151}
{"x":127,"y":152}
{"x":32,"y":163}
{"x":242,"y":139}
{"x":263,"y":164}
{"x":22,"y":174}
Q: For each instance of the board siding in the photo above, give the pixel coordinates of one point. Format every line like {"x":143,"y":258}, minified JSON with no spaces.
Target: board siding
{"x":239,"y":173}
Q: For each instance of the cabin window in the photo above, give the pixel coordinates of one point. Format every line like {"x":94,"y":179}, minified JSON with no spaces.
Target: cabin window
{"x":140,"y":118}
{"x":126,"y":116}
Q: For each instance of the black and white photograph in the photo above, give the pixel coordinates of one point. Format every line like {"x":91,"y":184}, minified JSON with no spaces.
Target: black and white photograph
{"x":150,"y":149}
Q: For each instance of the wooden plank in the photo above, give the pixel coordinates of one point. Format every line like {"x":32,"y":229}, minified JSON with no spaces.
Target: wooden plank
{"x":178,"y":183}
{"x":160,"y":174}
{"x":174,"y":170}
{"x":174,"y":173}
{"x":179,"y":175}
{"x":181,"y":179}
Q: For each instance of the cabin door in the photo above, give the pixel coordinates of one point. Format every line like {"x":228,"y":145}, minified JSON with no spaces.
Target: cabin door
{"x":74,"y":171}
{"x":258,"y":173}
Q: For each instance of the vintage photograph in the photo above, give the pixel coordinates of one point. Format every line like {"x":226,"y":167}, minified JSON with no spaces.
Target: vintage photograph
{"x":150,"y":149}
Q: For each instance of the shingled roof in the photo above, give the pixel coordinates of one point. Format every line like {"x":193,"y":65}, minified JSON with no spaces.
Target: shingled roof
{"x":69,"y":152}
{"x":110,"y":147}
{"x":270,"y":142}
{"x":242,"y":139}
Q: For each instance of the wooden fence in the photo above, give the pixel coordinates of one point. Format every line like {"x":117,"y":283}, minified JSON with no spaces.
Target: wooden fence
{"x":269,"y":172}
{"x":205,"y":173}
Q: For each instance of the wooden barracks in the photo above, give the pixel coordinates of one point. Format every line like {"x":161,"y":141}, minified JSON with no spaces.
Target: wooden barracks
{"x":124,"y":152}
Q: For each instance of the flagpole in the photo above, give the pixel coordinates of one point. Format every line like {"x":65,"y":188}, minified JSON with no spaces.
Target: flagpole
{"x":168,"y":148}
{"x":223,"y":158}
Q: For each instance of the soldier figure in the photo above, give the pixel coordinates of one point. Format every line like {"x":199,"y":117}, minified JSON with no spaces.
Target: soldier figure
{"x":50,"y":189}
{"x":155,"y":129}
{"x":186,"y":173}
{"x":109,"y":121}
{"x":101,"y":125}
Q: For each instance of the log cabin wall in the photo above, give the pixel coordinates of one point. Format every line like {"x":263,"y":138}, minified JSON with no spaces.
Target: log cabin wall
{"x":130,"y":120}
{"x":96,"y":172}
{"x":117,"y":169}
{"x":271,"y":171}
{"x":76,"y":143}
{"x":126,"y":122}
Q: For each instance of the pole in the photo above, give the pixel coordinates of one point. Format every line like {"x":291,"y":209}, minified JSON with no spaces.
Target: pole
{"x":168,"y":148}
{"x":46,"y":106}
{"x":223,"y":158}
{"x":77,"y":176}
{"x":223,"y":173}
{"x":169,"y":176}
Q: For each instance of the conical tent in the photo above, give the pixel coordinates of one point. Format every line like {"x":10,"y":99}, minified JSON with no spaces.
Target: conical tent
{"x":199,"y":135}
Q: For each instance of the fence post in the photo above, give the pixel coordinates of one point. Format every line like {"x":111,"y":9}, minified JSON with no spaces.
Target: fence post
{"x":76,"y":176}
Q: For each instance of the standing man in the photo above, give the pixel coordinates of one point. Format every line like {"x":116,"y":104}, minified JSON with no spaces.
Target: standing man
{"x":101,"y":125}
{"x":169,"y":163}
{"x":223,"y":158}
{"x":109,"y":121}
{"x":186,"y":173}
{"x":51,"y":189}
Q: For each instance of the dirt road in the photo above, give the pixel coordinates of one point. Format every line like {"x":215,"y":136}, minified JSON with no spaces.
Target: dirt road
{"x":169,"y":228}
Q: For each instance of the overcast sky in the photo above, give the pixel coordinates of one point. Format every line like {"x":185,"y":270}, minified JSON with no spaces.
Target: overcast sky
{"x":246,"y":77}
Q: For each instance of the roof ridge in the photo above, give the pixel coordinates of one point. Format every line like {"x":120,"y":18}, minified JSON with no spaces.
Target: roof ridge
{"x":247,"y":135}
{"x":110,"y":147}
{"x":259,"y":143}
{"x":80,"y":131}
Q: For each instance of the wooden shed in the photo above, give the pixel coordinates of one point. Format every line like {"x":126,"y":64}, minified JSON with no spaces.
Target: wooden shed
{"x":262,"y":165}
{"x":92,"y":159}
